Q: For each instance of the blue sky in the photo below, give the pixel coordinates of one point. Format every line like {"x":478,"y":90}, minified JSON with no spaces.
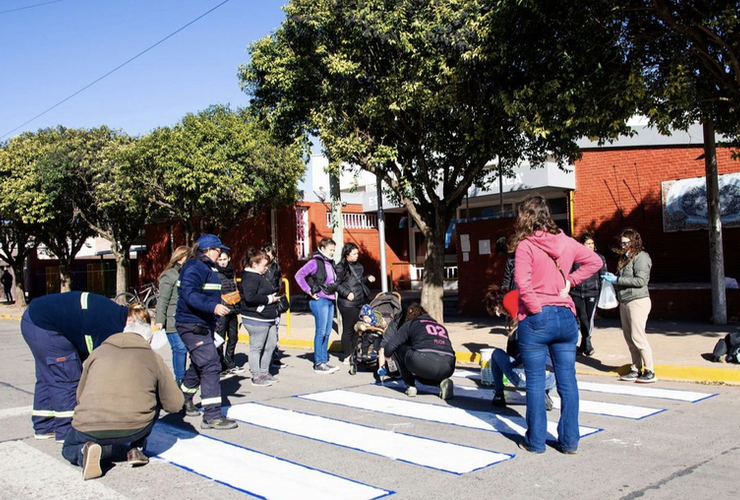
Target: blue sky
{"x":51,"y":51}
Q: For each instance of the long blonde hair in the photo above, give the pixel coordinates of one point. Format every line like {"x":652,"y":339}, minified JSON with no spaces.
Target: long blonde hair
{"x":179,"y":253}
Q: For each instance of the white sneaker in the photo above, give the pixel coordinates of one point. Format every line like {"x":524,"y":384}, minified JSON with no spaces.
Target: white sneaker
{"x":332,"y":368}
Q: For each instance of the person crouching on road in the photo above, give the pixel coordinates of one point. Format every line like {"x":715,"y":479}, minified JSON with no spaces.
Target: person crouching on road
{"x":422,"y":350}
{"x":62,"y":329}
{"x":124,"y":368}
{"x":198,"y":307}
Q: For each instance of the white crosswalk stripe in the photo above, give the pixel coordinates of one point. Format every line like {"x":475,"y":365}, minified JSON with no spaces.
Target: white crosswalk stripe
{"x":519,"y":398}
{"x":627,"y":389}
{"x":482,"y":420}
{"x":251,"y":471}
{"x":439,"y":455}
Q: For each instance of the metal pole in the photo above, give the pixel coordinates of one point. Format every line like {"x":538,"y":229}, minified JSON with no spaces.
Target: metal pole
{"x":381,"y":238}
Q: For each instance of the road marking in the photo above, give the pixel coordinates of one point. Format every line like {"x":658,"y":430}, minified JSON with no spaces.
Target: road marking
{"x":624,"y":388}
{"x":250,"y":471}
{"x":447,"y":457}
{"x":519,"y":398}
{"x":634,"y":389}
{"x":26,"y":472}
{"x":18,"y":411}
{"x":483,"y":420}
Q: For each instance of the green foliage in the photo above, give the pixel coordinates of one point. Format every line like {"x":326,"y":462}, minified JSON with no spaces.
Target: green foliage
{"x":690,"y":52}
{"x":43,"y":191}
{"x":215,"y":165}
{"x":426,"y":94}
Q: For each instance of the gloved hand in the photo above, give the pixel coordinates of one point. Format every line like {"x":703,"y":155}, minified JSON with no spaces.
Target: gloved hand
{"x":382,"y":371}
{"x":611,"y":278}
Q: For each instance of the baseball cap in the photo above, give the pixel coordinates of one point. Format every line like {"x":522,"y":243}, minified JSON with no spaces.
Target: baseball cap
{"x":211,"y":241}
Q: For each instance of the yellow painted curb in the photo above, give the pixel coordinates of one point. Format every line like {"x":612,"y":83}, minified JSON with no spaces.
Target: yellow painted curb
{"x":10,"y":316}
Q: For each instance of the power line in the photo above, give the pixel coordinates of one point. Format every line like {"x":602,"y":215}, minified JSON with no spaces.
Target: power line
{"x":28,"y":7}
{"x":114,"y":69}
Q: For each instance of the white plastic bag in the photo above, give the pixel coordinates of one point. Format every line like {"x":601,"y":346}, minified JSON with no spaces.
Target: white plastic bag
{"x":607,"y":297}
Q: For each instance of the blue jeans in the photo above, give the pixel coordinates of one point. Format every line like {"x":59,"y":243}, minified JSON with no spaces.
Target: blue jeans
{"x":503,"y":364}
{"x":554,"y":329}
{"x":179,"y":355}
{"x":323,"y":314}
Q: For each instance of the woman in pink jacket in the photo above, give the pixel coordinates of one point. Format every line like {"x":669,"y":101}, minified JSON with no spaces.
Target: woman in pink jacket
{"x":547,"y":321}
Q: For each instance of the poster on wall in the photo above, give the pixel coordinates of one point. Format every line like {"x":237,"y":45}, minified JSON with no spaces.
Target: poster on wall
{"x":685,"y":203}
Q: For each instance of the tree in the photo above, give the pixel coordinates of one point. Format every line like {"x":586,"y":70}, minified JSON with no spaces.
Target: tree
{"x":690,"y":52}
{"x":43,"y":191}
{"x":426,"y":94}
{"x":119,"y":194}
{"x":16,"y":244}
{"x":216,"y":165}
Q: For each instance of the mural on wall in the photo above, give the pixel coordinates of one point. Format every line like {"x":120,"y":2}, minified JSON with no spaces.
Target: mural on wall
{"x":685,"y":203}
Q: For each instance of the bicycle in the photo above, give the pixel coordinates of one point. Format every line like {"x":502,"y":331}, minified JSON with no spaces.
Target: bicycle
{"x":150,"y":293}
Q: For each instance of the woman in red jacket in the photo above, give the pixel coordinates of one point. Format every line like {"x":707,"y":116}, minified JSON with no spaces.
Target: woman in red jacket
{"x":547,"y":321}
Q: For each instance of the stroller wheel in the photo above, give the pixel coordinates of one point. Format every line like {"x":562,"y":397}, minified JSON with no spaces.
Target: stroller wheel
{"x":353,"y":370}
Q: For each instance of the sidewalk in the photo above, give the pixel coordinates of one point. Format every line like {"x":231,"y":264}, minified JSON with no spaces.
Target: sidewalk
{"x":682,"y":351}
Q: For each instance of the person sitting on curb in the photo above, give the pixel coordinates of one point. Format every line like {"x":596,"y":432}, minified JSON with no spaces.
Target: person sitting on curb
{"x":123,"y":368}
{"x":422,"y":350}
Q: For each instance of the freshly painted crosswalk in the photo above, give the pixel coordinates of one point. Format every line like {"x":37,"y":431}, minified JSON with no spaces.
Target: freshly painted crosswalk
{"x":483,"y":420}
{"x":447,"y":457}
{"x":253,"y":472}
{"x":626,"y":389}
{"x":519,"y":398}
{"x":631,"y":389}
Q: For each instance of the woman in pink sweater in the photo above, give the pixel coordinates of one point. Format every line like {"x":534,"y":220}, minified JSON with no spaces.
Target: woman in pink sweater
{"x":547,"y":321}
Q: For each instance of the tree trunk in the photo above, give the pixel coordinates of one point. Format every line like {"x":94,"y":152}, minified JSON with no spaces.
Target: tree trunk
{"x":433,"y":287}
{"x":123,"y":264}
{"x":716,"y":255}
{"x":19,"y":285}
{"x":65,"y":275}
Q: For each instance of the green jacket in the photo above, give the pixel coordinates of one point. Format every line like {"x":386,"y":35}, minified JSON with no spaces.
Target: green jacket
{"x":167,"y":299}
{"x":633,"y":278}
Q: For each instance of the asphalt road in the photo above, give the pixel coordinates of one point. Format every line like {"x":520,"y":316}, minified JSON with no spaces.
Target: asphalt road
{"x":690,"y":450}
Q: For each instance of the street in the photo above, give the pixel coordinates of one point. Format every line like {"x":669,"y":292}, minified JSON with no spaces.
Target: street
{"x":342,"y":437}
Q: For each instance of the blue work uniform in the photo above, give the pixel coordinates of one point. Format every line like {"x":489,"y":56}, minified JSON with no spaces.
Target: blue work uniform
{"x":61,"y":330}
{"x":198,"y":294}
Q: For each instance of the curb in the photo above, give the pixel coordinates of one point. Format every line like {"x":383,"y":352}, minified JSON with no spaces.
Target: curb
{"x":698,"y":374}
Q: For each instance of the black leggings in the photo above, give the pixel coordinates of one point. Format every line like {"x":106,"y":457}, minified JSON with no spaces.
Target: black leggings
{"x":429,"y":368}
{"x":585,"y":309}
{"x":350,"y":316}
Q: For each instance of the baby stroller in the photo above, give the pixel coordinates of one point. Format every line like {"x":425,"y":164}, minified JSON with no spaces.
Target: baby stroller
{"x":388,"y":306}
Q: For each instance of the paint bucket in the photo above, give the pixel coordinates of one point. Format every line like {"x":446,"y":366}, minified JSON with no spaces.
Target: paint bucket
{"x":486,"y":373}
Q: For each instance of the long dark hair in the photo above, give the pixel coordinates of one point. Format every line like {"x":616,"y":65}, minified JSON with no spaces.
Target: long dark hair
{"x":629,"y":252}
{"x":348,"y":248}
{"x":533,"y":214}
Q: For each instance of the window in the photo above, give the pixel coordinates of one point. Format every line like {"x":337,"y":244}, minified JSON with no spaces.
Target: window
{"x":301,"y":233}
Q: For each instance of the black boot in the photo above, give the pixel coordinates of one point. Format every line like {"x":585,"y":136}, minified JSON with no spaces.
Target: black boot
{"x":189,"y":407}
{"x":586,"y":348}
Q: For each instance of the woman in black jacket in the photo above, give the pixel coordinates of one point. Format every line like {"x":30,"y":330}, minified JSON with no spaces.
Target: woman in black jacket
{"x":259,"y":316}
{"x":585,"y":296}
{"x":228,"y":324}
{"x":352,"y":293}
{"x":274,"y":275}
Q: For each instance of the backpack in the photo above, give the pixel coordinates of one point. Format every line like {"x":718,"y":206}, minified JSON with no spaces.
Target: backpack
{"x":317,"y":280}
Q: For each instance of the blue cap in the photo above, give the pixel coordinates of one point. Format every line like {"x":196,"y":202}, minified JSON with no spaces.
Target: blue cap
{"x":210,"y":241}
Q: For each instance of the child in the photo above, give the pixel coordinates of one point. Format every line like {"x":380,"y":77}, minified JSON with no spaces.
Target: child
{"x":370,"y":321}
